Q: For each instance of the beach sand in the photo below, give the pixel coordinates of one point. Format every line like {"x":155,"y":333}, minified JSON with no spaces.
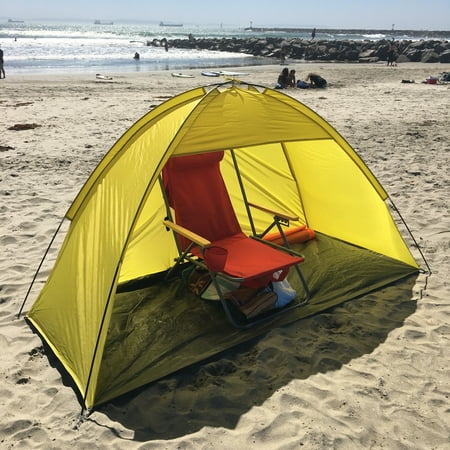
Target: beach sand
{"x":372,"y":373}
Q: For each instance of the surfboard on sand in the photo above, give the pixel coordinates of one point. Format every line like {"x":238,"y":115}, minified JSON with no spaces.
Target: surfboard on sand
{"x":182,"y":75}
{"x":224,"y":73}
{"x":232,"y":74}
{"x":211,"y":74}
{"x":99,"y":76}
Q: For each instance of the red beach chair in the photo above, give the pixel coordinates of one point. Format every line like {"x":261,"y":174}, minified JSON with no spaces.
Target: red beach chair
{"x":208,"y":233}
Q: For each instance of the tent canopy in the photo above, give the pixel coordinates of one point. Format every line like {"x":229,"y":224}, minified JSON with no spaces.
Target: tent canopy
{"x":289,"y":158}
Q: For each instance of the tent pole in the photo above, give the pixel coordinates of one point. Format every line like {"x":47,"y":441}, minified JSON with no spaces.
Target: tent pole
{"x":84,"y":414}
{"x":97,"y":342}
{"x":39,"y":267}
{"x":244,"y":195}
{"x":411,"y":235}
{"x":288,"y":160}
{"x":111,"y":292}
{"x":168,"y":212}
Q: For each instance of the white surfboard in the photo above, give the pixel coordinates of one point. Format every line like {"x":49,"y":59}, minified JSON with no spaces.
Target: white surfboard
{"x":99,"y":76}
{"x":232,"y":74}
{"x":211,"y":74}
{"x":182,"y":75}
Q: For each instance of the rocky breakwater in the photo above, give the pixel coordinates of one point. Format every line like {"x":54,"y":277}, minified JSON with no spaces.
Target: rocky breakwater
{"x":427,"y":51}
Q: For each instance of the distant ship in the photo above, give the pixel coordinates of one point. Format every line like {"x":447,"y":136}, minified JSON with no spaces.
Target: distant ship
{"x":101,"y":22}
{"x":15,"y":21}
{"x":163,"y":24}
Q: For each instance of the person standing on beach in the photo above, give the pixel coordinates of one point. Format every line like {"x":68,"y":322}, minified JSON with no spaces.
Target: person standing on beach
{"x":313,"y":34}
{"x":2,"y":70}
{"x":392,"y":54}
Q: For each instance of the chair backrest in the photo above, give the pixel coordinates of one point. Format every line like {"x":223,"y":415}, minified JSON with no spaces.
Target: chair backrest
{"x":197,"y":193}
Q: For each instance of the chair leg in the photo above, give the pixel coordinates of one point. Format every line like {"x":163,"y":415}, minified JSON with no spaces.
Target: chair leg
{"x":253,"y":322}
{"x":225,"y":304}
{"x":278,"y":221}
{"x":178,"y":261}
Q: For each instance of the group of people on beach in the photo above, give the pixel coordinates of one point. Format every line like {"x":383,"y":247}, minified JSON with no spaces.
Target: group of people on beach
{"x":287,"y":79}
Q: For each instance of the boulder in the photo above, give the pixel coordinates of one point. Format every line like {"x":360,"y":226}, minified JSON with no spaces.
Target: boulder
{"x":367,"y":53}
{"x":429,"y":56}
{"x":403,"y":59}
{"x":414,"y":55}
{"x":445,"y":57}
{"x":372,"y":59}
{"x":418,"y":45}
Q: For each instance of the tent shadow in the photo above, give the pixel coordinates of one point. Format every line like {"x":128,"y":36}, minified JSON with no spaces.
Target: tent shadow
{"x":218,"y":391}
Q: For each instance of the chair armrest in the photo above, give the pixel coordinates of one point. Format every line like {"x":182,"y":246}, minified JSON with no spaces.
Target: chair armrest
{"x":271,"y":211}
{"x":195,"y":238}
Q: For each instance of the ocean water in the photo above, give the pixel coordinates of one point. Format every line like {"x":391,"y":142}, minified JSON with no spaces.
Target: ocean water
{"x":63,"y":47}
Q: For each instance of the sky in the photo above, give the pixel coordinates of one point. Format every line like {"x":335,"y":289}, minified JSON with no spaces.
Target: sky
{"x":374,"y":14}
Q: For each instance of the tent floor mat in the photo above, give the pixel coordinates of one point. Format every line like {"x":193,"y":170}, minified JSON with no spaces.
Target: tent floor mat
{"x":178,"y":328}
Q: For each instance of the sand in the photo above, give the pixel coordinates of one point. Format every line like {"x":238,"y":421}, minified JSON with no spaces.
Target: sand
{"x":372,"y":373}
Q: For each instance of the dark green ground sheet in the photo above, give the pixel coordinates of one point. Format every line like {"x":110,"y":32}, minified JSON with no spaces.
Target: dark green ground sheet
{"x":161,"y":328}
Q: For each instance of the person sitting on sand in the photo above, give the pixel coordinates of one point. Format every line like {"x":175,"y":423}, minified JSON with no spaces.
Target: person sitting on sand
{"x":291,"y":79}
{"x":283,"y":79}
{"x":316,"y":81}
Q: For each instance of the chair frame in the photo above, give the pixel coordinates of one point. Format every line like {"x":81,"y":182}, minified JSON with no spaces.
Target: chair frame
{"x":280,"y":220}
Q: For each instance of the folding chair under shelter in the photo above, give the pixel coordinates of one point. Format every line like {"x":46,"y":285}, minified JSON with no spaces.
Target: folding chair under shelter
{"x":204,"y":220}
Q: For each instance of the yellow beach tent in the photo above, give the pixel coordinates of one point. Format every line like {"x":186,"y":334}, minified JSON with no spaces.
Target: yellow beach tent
{"x":114,"y":333}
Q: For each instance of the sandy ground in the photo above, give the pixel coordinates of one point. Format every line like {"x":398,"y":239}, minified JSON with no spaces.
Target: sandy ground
{"x":372,"y":373}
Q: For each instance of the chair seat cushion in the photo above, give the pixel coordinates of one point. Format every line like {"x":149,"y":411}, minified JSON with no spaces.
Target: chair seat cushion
{"x":254,"y":261}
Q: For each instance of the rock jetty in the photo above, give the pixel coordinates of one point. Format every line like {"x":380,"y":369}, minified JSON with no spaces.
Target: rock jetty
{"x":426,"y":51}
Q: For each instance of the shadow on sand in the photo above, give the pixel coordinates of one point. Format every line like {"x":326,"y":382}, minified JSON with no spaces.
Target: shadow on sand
{"x":218,"y":391}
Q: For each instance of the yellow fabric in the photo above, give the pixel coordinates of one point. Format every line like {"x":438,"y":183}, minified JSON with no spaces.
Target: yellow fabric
{"x":132,"y":134}
{"x":339,"y":201}
{"x":87,"y":267}
{"x":240,"y":118}
{"x":289,"y":158}
{"x":268,"y":182}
